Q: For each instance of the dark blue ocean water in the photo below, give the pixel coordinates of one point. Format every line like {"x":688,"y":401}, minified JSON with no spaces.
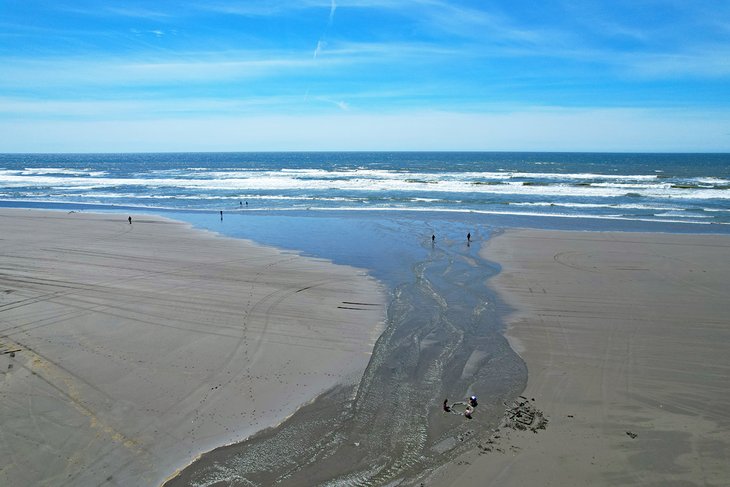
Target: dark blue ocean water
{"x":682,"y":188}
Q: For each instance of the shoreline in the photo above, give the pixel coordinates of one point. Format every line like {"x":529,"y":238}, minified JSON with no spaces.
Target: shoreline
{"x":498,"y":219}
{"x":624,"y":337}
{"x":140,"y":345}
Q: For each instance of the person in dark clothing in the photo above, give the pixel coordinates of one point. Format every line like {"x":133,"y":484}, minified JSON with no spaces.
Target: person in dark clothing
{"x":130,"y":220}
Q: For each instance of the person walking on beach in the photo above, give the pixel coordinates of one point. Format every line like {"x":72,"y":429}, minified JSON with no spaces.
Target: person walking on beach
{"x":130,"y":220}
{"x":468,"y":237}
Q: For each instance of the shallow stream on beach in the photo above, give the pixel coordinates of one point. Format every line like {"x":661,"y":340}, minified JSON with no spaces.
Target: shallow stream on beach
{"x":442,"y":340}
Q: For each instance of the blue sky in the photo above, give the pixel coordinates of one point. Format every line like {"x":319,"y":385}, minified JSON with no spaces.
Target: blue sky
{"x":88,"y":76}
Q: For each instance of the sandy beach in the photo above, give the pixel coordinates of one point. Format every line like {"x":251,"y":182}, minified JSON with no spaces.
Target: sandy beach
{"x":128,"y":349}
{"x":625,"y":336}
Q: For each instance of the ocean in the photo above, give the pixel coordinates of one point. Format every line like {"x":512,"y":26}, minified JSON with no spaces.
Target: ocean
{"x":666,"y":188}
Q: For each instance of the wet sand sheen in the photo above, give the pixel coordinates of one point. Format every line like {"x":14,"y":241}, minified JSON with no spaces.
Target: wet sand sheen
{"x":128,"y":349}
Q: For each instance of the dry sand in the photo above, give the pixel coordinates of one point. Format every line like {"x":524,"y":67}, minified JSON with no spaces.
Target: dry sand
{"x":622,"y":333}
{"x":127,"y":350}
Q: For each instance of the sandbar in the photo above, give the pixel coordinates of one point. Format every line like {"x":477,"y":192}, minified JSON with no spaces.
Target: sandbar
{"x":625,"y":337}
{"x":126,"y":350}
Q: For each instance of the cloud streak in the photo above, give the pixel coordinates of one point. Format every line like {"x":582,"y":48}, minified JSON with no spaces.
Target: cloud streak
{"x":541,"y":129}
{"x":196,"y":67}
{"x":333,"y":8}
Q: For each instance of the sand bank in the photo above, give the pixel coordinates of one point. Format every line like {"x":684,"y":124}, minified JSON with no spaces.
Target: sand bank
{"x":128,"y":349}
{"x":626,"y":340}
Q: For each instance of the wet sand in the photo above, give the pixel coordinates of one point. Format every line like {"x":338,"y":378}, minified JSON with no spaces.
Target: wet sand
{"x":127,"y":350}
{"x":625,"y":336}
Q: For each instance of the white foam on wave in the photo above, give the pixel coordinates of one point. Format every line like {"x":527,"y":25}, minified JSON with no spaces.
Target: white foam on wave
{"x":628,"y":186}
{"x":679,"y":214}
{"x":498,"y":175}
{"x":595,"y":205}
{"x":496,"y":212}
{"x":405,"y":182}
{"x":426,"y":200}
{"x":401,"y":175}
{"x":196,"y":197}
{"x":711,"y":181}
{"x":59,"y":170}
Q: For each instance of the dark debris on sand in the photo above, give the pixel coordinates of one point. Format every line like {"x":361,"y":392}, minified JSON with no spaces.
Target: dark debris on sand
{"x":523,"y":415}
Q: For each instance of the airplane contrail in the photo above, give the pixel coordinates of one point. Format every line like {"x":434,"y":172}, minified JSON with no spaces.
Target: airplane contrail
{"x":333,"y":7}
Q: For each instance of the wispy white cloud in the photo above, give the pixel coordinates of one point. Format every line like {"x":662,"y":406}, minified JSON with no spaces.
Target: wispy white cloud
{"x":160,"y":68}
{"x":188,"y":67}
{"x":120,"y":10}
{"x":699,"y":61}
{"x":154,"y":106}
{"x":391,"y":50}
{"x":154,"y":32}
{"x":342,"y":105}
{"x":528,"y":129}
{"x":143,"y":108}
{"x":260,"y":8}
{"x":710,"y":61}
{"x":139,"y":12}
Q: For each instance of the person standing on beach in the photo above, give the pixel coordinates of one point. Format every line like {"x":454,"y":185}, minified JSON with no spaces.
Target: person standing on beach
{"x":433,"y":238}
{"x":468,"y":237}
{"x":130,"y":220}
